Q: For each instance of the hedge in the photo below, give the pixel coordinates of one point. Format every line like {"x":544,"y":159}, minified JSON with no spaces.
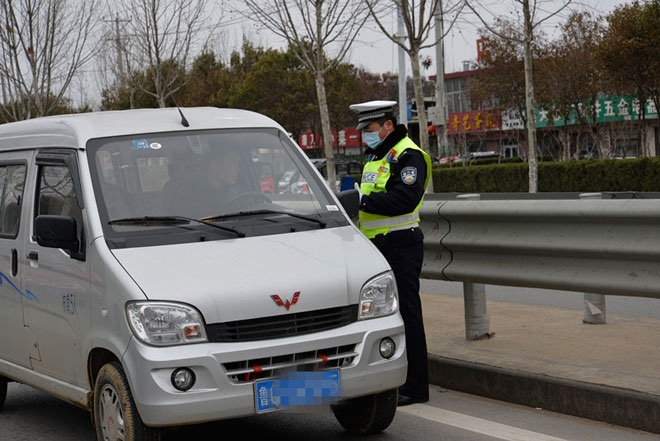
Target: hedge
{"x":574,"y":176}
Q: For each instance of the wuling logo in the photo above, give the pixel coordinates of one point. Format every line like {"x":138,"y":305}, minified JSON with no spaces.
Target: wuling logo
{"x":288,"y":303}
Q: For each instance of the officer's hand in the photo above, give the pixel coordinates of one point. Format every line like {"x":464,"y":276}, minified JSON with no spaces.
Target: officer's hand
{"x":357,"y":187}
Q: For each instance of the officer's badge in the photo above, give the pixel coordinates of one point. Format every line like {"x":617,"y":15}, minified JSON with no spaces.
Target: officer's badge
{"x":409,"y":175}
{"x":369,"y":178}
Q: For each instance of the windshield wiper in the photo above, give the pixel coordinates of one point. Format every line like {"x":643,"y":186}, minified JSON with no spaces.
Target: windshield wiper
{"x":255,"y":212}
{"x":147,"y":220}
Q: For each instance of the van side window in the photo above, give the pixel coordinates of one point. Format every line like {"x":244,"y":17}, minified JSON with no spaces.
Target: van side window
{"x":12,"y":183}
{"x":57,"y":194}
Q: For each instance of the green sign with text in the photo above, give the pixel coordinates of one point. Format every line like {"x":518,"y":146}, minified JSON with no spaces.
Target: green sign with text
{"x":610,"y":109}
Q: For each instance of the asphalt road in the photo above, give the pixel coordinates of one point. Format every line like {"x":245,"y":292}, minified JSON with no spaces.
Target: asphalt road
{"x":634,"y":306}
{"x":30,"y":415}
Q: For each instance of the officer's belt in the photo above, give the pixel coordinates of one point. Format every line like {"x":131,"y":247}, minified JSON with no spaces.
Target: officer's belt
{"x":404,"y":227}
{"x":394,"y":222}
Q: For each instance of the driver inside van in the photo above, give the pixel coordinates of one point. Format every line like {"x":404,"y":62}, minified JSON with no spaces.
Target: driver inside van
{"x":197,"y":197}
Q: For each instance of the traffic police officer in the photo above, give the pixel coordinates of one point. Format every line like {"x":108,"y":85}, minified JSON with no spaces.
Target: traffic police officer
{"x":391,"y":192}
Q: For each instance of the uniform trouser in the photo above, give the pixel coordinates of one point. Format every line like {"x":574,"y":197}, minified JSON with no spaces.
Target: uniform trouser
{"x":404,"y":251}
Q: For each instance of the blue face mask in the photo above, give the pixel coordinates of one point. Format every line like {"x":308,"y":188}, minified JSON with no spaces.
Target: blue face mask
{"x":372,"y":139}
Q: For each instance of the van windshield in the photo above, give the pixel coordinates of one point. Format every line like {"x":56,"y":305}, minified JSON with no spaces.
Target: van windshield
{"x":246,"y":181}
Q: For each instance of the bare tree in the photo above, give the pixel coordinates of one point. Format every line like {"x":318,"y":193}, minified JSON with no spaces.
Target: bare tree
{"x":417,"y":18}
{"x":531,"y":21}
{"x":161,"y":35}
{"x":319,"y":33}
{"x":43,"y":45}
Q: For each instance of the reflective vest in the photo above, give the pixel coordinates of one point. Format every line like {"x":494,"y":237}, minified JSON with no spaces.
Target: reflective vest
{"x":374,"y":177}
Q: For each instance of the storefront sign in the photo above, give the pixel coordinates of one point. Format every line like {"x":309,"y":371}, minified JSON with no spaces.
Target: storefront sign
{"x":347,"y":137}
{"x":472,"y":122}
{"x":610,"y":109}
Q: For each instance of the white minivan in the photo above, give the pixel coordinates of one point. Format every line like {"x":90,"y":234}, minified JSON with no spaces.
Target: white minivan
{"x":151,"y":273}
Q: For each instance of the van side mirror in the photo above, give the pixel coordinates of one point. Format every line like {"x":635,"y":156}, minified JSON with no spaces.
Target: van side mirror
{"x":350,"y":200}
{"x":57,"y":232}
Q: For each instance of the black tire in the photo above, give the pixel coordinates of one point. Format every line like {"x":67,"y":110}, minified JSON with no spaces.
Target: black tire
{"x":369,"y":414}
{"x":3,"y":390}
{"x":114,"y":409}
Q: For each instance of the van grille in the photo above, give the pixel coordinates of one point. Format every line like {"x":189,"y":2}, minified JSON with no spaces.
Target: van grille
{"x":282,"y":325}
{"x":246,"y":371}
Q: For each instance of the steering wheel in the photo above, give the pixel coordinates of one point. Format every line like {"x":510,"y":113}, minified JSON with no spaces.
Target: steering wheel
{"x":257,"y":196}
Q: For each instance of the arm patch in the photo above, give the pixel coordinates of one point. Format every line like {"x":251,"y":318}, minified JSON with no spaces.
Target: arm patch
{"x":409,"y":175}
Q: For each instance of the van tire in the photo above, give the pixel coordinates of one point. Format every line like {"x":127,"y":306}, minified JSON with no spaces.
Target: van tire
{"x":3,"y":390}
{"x":369,"y":414}
{"x":114,"y":403}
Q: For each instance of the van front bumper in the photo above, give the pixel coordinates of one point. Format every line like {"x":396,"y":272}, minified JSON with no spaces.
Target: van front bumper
{"x":217,"y":395}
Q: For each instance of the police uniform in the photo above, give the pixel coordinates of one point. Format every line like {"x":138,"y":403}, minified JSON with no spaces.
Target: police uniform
{"x":393,"y":183}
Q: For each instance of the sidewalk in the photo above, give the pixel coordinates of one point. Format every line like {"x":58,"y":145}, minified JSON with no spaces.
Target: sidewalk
{"x":546,"y":357}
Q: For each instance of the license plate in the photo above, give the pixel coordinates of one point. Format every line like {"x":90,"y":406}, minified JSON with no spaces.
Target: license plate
{"x":297,"y":389}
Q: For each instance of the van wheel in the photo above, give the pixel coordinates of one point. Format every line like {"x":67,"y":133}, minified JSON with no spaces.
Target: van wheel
{"x":115,"y":413}
{"x":3,"y":390}
{"x":369,"y":414}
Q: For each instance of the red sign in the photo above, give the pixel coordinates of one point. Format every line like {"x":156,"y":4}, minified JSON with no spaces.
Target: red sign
{"x":347,"y":137}
{"x":475,"y":121}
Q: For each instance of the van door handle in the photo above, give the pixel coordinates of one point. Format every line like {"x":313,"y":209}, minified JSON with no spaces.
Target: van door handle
{"x":14,"y":262}
{"x":33,"y":255}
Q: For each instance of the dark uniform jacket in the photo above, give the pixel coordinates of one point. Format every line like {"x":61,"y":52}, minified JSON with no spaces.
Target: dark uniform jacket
{"x":399,"y":197}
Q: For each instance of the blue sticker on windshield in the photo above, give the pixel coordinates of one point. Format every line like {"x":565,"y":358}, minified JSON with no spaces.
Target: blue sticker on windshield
{"x":140,"y":144}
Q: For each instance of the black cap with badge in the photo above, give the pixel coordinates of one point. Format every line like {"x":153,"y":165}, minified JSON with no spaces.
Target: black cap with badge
{"x":371,"y":111}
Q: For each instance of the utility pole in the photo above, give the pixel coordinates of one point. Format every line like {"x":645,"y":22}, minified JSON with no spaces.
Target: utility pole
{"x":120,"y":60}
{"x":121,"y":73}
{"x":440,"y":117}
{"x":403,"y":94}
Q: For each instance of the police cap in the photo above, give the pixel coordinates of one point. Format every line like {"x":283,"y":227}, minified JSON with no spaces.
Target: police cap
{"x":371,"y":111}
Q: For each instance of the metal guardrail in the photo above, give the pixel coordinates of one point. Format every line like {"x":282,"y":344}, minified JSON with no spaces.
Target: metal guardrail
{"x":604,"y":246}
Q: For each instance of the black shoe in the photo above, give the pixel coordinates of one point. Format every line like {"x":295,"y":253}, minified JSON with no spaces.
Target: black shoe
{"x":405,"y":400}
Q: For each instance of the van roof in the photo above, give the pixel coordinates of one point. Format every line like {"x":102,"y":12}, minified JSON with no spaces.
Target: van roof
{"x":76,"y":129}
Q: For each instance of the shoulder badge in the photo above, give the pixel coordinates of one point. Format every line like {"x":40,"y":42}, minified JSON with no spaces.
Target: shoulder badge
{"x":409,"y":175}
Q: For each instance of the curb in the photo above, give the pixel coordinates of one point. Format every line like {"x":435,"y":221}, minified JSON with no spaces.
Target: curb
{"x":613,"y":405}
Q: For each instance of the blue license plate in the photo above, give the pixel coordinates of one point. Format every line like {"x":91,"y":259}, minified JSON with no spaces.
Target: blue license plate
{"x":297,"y":389}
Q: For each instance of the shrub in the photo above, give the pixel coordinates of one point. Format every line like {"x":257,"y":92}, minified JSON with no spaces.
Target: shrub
{"x":573,"y":176}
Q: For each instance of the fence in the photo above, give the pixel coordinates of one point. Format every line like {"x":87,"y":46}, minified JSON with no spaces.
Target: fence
{"x":605,"y":243}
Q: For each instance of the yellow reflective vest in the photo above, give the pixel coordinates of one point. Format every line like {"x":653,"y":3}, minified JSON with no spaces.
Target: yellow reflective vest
{"x":374,"y":177}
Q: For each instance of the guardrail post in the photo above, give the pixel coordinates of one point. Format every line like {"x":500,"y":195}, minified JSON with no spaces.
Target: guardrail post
{"x":477,"y":320}
{"x":594,"y":304}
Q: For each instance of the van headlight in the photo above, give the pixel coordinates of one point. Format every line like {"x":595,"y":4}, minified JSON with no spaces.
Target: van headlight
{"x":379,"y":297}
{"x":165,"y":324}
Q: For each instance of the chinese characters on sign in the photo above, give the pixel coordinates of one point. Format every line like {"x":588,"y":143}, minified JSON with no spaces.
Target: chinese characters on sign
{"x":609,"y":109}
{"x":475,"y":121}
{"x":347,"y":137}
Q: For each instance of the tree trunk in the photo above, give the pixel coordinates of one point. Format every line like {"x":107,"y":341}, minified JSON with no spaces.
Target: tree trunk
{"x":325,"y":128}
{"x":421,"y":110}
{"x":419,"y":99}
{"x":529,"y":101}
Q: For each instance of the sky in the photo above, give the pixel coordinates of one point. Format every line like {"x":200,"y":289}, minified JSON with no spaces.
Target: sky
{"x":372,"y":50}
{"x":375,"y":52}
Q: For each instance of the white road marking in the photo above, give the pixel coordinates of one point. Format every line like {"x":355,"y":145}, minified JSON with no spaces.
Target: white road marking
{"x":476,"y":425}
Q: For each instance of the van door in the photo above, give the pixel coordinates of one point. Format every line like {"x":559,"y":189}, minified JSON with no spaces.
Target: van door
{"x":13,"y":172}
{"x":58,"y":278}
